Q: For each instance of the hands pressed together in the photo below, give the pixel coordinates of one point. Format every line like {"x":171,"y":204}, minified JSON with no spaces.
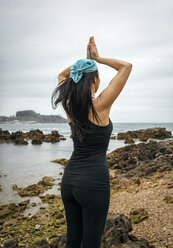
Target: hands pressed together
{"x":92,"y":52}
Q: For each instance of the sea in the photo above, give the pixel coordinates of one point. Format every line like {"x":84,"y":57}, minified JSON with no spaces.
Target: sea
{"x":27,"y":164}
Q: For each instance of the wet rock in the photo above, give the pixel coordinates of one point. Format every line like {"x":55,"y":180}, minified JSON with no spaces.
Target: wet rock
{"x":37,"y":227}
{"x":11,"y":244}
{"x":24,"y":203}
{"x":47,"y":198}
{"x":145,"y":134}
{"x":33,"y":204}
{"x":35,"y":189}
{"x":37,"y":137}
{"x":138,"y":215}
{"x":16,"y":135}
{"x":62,"y":161}
{"x":62,"y":138}
{"x":168,"y":199}
{"x":36,"y":141}
{"x":55,"y":133}
{"x":20,"y":141}
{"x":11,"y":210}
{"x":47,"y":182}
{"x":15,"y":187}
{"x":57,"y":214}
{"x":116,"y":233}
{"x":141,"y":160}
{"x":142,"y":243}
{"x":129,"y":140}
{"x":42,"y":244}
{"x":7,"y":209}
{"x":5,"y":136}
{"x":31,"y":190}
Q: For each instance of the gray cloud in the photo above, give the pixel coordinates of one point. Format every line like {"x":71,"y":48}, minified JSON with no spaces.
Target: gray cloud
{"x":40,"y":38}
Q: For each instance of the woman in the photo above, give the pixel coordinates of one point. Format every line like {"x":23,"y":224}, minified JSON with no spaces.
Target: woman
{"x":85,"y":186}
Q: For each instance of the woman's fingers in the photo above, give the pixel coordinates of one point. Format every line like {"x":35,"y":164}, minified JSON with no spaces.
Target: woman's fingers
{"x":94,"y":48}
{"x":88,"y":52}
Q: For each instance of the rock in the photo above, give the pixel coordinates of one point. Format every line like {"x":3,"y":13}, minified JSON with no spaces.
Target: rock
{"x":55,"y":133}
{"x":47,"y":198}
{"x":46,"y":182}
{"x":138,"y":215}
{"x":142,"y":243}
{"x":24,"y":203}
{"x":15,"y":187}
{"x":141,"y":160}
{"x":54,"y":139}
{"x":5,"y":136}
{"x":16,"y":135}
{"x":168,"y":199}
{"x":36,"y":141}
{"x":116,"y":233}
{"x":37,"y":227}
{"x":35,"y":189}
{"x":42,"y":243}
{"x":62,"y":161}
{"x":57,"y":214}
{"x":7,"y":209}
{"x":61,"y":208}
{"x":11,"y":244}
{"x":20,"y":141}
{"x":31,"y":190}
{"x":129,"y":140}
{"x":11,"y":210}
{"x":145,"y":134}
{"x":33,"y":204}
{"x":37,"y":137}
{"x":124,"y":184}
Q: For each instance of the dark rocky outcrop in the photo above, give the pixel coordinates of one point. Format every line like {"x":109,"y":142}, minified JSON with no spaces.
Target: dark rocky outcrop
{"x":145,"y":134}
{"x":116,"y":232}
{"x":35,"y":189}
{"x":142,"y":159}
{"x":36,"y":136}
{"x":138,"y":215}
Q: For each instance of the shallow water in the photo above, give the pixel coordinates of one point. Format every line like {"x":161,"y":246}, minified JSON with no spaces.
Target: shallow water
{"x":27,"y":164}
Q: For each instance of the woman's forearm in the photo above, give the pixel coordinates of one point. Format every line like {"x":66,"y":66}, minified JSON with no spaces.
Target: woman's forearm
{"x":114,"y":63}
{"x":65,"y":72}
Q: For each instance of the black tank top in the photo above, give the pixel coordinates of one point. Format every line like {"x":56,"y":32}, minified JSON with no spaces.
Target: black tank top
{"x":87,"y":167}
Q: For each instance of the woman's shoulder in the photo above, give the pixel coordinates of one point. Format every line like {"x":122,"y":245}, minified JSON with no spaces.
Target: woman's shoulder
{"x":102,"y":113}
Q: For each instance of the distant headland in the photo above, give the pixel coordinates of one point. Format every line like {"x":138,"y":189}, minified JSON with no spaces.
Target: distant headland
{"x":31,"y":116}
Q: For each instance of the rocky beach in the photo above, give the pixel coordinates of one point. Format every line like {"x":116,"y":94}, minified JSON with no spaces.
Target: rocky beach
{"x":140,"y":212}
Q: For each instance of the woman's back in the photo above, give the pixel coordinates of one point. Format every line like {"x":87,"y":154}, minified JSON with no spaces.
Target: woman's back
{"x":87,"y":166}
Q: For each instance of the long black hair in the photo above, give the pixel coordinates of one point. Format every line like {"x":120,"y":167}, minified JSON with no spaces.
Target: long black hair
{"x":76,"y":100}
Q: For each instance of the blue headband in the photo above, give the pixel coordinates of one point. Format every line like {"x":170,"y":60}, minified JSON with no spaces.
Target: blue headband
{"x":80,"y":66}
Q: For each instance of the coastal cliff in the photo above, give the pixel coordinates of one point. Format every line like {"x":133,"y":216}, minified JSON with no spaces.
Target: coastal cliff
{"x":32,"y":116}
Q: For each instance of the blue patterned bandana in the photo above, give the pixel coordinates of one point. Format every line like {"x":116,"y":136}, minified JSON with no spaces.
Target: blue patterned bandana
{"x":80,"y":66}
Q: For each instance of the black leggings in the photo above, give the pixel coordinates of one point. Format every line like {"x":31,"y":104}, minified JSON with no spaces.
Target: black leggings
{"x":86,"y":212}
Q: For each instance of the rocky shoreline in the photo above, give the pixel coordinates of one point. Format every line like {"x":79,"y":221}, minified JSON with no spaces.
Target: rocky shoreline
{"x":36,"y":136}
{"x":140,"y":212}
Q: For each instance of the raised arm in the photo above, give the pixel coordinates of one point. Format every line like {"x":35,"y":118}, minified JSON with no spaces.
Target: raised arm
{"x":111,"y":92}
{"x":64,"y":74}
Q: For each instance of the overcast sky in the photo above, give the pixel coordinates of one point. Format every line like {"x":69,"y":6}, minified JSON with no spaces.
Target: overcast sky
{"x":40,"y":38}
